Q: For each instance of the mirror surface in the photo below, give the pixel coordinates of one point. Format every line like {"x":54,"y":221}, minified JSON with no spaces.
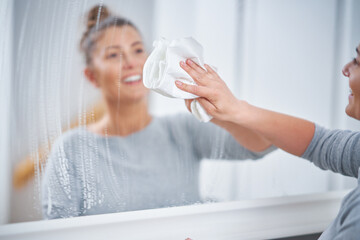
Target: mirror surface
{"x":282,"y":55}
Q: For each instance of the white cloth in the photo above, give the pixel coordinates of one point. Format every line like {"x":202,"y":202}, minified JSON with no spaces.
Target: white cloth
{"x":162,"y":69}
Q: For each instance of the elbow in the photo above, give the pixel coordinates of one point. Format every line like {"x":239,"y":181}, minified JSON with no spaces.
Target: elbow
{"x":260,"y":153}
{"x":262,"y":148}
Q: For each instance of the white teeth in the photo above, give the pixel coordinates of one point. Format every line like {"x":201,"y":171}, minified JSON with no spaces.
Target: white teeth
{"x":350,"y":91}
{"x":133,"y":78}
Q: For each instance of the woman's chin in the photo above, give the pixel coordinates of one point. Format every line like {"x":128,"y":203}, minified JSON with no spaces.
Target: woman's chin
{"x":135,"y":97}
{"x":350,"y":111}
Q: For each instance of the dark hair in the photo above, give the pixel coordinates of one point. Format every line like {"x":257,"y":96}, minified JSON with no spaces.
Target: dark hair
{"x":99,"y":19}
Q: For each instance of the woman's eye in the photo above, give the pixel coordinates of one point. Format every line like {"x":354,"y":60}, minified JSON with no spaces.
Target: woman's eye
{"x":140,"y":50}
{"x":112,"y":55}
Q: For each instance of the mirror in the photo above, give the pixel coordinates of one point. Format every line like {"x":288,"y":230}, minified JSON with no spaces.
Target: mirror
{"x":281,"y":55}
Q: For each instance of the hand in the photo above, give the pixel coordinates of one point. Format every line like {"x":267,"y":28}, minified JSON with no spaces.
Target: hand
{"x":214,"y":96}
{"x":219,"y":102}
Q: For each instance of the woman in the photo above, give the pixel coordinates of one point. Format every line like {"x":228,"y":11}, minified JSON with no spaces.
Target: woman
{"x":130,"y":160}
{"x":335,"y":150}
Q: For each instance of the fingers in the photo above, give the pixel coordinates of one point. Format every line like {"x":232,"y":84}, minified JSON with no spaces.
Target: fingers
{"x":208,"y":106}
{"x":195,"y":66}
{"x":194,"y":89}
{"x":195,"y":71}
{"x":209,"y":69}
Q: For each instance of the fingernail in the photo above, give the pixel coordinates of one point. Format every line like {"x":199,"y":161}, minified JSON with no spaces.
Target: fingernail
{"x":182,"y":63}
{"x":179,"y":83}
{"x":189,"y":61}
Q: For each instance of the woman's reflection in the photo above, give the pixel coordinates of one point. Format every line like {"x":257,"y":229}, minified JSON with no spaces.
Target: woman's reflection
{"x":130,"y":160}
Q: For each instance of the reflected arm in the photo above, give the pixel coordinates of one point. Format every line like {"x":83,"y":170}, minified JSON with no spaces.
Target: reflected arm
{"x":246,"y":137}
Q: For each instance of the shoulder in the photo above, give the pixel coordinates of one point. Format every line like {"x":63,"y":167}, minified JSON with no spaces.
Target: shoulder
{"x":61,"y":160}
{"x":335,"y":136}
{"x":320,"y":130}
{"x":335,"y":142}
{"x":66,"y":144}
{"x":70,"y":137}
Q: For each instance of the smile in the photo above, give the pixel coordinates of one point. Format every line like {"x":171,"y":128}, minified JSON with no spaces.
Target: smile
{"x":133,"y":78}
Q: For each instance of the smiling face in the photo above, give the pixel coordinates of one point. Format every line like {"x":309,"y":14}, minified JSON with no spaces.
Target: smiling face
{"x":117,"y":65}
{"x":352,"y":71}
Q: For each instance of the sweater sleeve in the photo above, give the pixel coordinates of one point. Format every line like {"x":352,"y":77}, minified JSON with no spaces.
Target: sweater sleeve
{"x":213,"y":142}
{"x":335,"y":150}
{"x":58,"y":198}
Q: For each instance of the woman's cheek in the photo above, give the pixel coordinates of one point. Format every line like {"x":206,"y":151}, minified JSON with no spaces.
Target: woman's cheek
{"x":114,"y":72}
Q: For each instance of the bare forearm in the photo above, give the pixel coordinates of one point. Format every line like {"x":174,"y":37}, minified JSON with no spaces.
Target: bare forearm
{"x":289,"y":133}
{"x":246,"y":137}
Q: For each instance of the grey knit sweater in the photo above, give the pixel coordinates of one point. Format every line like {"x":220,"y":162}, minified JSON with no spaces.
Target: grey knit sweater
{"x":153,"y":168}
{"x":339,"y":151}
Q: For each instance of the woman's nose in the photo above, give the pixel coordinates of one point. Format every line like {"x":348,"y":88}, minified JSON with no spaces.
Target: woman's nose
{"x":345,"y":70}
{"x":128,"y":61}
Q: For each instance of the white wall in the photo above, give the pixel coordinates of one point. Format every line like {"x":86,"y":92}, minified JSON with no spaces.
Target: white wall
{"x":6,"y":19}
{"x":291,"y":63}
{"x":286,"y":58}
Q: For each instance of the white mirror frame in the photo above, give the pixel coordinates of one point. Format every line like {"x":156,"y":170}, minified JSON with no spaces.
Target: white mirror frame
{"x":250,"y":219}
